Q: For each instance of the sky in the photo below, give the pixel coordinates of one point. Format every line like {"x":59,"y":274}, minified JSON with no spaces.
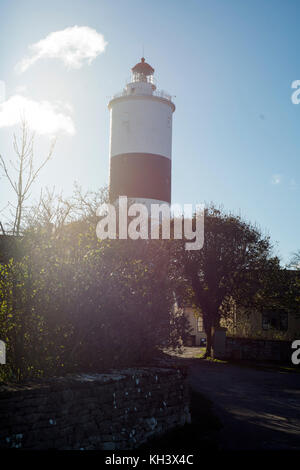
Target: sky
{"x":229,"y":66}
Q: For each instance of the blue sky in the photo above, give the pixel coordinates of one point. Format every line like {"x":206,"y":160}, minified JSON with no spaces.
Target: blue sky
{"x":230,"y":65}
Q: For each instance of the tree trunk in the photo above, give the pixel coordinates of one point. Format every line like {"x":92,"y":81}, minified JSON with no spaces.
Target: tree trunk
{"x":208,"y":331}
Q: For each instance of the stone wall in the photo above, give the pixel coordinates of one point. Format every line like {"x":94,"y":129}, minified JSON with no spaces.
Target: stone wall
{"x":258,"y":350}
{"x":117,"y":410}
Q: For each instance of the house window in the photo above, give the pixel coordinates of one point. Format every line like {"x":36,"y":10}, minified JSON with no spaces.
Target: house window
{"x":200,"y":324}
{"x":275,"y":320}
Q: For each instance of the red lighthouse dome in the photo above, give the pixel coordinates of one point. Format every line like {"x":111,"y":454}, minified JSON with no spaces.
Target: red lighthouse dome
{"x":143,"y":68}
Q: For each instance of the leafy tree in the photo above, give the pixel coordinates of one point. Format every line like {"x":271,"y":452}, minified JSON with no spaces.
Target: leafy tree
{"x":70,"y":302}
{"x":232,"y":264}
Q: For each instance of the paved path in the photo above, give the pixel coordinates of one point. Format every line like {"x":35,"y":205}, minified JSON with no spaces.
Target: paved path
{"x":258,"y":409}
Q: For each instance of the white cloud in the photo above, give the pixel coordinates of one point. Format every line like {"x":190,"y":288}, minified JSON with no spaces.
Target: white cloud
{"x":42,"y":117}
{"x":74,"y":46}
{"x":276,"y":179}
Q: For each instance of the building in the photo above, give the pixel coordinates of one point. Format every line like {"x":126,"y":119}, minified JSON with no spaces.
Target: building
{"x":268,"y":324}
{"x":197,"y":335}
{"x":141,"y":140}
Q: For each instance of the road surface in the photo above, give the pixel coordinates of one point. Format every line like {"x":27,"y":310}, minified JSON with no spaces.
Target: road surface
{"x":259,"y":409}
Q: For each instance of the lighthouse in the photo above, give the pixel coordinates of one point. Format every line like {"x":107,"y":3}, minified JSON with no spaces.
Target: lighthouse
{"x":141,"y":140}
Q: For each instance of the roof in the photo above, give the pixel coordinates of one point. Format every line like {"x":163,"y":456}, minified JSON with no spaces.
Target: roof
{"x":143,"y":67}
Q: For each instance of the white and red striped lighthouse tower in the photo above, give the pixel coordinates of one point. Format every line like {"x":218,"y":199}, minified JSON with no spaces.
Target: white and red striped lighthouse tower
{"x":141,"y":140}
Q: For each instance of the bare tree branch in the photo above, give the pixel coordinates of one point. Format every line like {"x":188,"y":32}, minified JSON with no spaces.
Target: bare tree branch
{"x":24,"y":168}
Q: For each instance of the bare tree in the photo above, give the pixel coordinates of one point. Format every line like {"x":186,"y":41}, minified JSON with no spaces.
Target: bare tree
{"x":295,"y":260}
{"x":23,"y":171}
{"x":87,"y":203}
{"x":51,"y":211}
